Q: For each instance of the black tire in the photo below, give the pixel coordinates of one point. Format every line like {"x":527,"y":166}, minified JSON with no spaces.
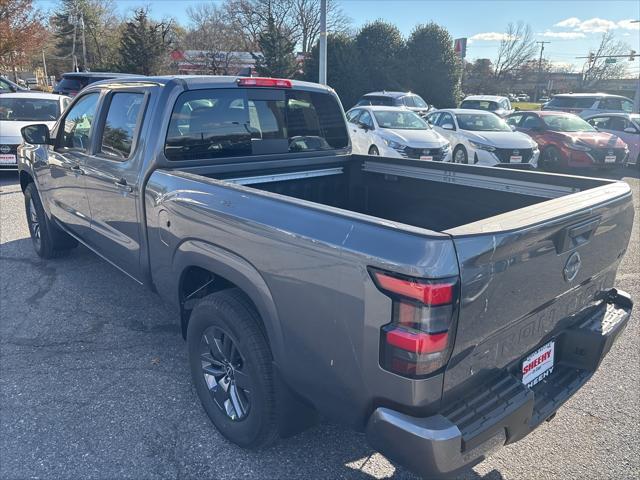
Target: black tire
{"x":48,"y":240}
{"x":373,"y":150}
{"x":551,"y":159}
{"x":461,"y":152}
{"x":220,"y":318}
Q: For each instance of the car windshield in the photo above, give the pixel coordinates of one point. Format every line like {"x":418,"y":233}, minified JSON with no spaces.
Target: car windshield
{"x":480,"y":105}
{"x":420,"y":103}
{"x":382,"y":101}
{"x":567,"y":123}
{"x":400,"y":120}
{"x":26,"y":109}
{"x":482,"y":122}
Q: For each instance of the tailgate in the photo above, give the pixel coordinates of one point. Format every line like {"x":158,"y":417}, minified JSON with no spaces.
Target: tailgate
{"x":524,"y":273}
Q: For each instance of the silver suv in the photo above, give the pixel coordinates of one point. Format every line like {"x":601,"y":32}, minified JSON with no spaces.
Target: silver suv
{"x":589,"y":104}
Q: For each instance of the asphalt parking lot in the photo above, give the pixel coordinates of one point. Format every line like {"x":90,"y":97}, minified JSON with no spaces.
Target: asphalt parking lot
{"x":94,"y":384}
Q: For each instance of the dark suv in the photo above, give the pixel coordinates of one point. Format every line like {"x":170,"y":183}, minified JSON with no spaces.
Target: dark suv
{"x":71,"y":83}
{"x":396,"y":99}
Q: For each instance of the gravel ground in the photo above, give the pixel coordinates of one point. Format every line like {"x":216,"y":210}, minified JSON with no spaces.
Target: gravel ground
{"x":94,"y":384}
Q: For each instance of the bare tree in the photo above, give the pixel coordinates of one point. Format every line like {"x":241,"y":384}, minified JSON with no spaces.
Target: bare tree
{"x":599,"y":69}
{"x":212,"y":34}
{"x":307,"y":21}
{"x":517,"y":47}
{"x":252,"y":17}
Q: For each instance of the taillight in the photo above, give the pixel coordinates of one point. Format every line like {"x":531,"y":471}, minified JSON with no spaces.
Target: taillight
{"x":419,"y":338}
{"x":264,"y":82}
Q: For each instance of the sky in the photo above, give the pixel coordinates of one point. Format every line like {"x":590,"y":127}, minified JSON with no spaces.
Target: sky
{"x":572,"y":26}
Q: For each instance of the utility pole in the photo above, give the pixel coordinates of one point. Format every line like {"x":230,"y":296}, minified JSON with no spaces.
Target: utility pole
{"x":44,"y":65}
{"x":84,"y":45}
{"x":74,"y":63}
{"x":541,"y":43}
{"x":323,"y":42}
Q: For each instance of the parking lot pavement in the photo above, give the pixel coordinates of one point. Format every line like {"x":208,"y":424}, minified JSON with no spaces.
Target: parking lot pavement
{"x":94,"y":383}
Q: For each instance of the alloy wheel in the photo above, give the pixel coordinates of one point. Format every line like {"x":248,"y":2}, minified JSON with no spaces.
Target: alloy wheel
{"x":225,"y":373}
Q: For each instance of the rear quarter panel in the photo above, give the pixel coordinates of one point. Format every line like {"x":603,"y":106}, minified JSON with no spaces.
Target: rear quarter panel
{"x":325,"y":313}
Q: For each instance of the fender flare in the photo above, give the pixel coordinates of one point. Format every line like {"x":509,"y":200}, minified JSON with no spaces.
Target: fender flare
{"x":237,"y":270}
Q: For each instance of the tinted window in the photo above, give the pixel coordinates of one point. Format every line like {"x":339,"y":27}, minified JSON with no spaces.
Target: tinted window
{"x":420,"y":103}
{"x":445,"y":118}
{"x":28,"y":109}
{"x":514,"y":120}
{"x":76,"y":129}
{"x":433,"y":118}
{"x":373,"y":100}
{"x":408,"y":101}
{"x":366,"y":119}
{"x":572,"y":102}
{"x":618,"y":124}
{"x":610,"y":104}
{"x":352,"y":115}
{"x":71,"y":83}
{"x":479,"y":105}
{"x":120,"y":124}
{"x":238,"y":122}
{"x":599,"y":122}
{"x":627,"y":106}
{"x":532,"y":121}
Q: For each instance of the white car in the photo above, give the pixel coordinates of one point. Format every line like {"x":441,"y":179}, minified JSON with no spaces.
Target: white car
{"x":395,"y":132}
{"x":491,"y":103}
{"x":18,"y":110}
{"x":483,"y":138}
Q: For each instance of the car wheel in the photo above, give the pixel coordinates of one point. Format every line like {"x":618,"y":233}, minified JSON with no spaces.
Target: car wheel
{"x":551,"y":159}
{"x":232,"y":370}
{"x":48,"y":240}
{"x":373,"y":150}
{"x":460,"y":155}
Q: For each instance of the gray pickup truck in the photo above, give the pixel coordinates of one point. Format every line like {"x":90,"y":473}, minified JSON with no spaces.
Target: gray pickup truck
{"x":444,"y":309}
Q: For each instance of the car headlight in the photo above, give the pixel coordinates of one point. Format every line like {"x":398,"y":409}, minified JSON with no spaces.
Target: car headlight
{"x":577,"y":146}
{"x":395,"y":145}
{"x":534,"y":147}
{"x":446,"y":147}
{"x":482,"y":146}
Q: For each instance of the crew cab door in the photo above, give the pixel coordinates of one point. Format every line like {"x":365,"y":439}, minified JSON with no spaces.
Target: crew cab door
{"x":113,"y":183}
{"x":65,"y":184}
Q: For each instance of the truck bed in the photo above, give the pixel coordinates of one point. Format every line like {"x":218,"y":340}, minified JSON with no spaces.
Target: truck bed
{"x":417,"y":193}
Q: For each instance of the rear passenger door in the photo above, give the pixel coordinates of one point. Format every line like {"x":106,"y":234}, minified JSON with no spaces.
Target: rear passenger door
{"x":113,"y":183}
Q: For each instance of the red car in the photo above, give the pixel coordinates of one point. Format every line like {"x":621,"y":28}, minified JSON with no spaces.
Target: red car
{"x":567,"y":141}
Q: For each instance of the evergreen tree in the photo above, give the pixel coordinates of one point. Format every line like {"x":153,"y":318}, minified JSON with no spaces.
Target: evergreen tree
{"x":144,"y":44}
{"x":381,"y":48}
{"x":277,"y":47}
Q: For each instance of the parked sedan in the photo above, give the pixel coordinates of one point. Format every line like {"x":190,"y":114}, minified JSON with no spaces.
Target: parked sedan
{"x":567,"y":141}
{"x":483,"y":138}
{"x":395,"y":132}
{"x":501,"y":106}
{"x":20,"y":109}
{"x":624,"y":125}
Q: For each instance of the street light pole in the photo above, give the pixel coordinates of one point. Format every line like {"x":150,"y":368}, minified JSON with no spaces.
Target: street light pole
{"x":541,"y":43}
{"x":323,"y":42}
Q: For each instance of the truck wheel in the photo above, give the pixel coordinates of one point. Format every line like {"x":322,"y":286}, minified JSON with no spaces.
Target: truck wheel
{"x":460,"y":155}
{"x":373,"y":150}
{"x":231,"y":366}
{"x":48,"y":240}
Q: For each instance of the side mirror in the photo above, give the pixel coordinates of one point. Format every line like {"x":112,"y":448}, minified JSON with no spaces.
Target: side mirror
{"x":37,"y":134}
{"x":363,"y":126}
{"x":448,"y":126}
{"x":513,"y":128}
{"x":630,"y":130}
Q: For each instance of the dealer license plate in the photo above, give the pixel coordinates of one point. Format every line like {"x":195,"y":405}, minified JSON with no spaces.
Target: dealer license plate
{"x":538,"y":365}
{"x":610,"y":159}
{"x":515,"y":158}
{"x":6,"y":159}
{"x":426,"y":157}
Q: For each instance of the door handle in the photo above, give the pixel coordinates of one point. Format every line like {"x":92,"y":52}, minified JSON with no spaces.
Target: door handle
{"x":123,"y":185}
{"x":77,"y":169}
{"x":575,"y":235}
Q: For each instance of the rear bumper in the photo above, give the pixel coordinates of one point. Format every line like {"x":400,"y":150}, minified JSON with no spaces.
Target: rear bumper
{"x":465,"y":433}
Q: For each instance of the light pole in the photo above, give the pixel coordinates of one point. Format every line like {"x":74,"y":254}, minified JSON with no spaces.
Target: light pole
{"x":542,"y":43}
{"x":323,"y":43}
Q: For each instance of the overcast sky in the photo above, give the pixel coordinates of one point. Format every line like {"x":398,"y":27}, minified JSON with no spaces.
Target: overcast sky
{"x":572,"y":26}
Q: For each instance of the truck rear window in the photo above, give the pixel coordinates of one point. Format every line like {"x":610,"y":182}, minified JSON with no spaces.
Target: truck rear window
{"x":218,"y":123}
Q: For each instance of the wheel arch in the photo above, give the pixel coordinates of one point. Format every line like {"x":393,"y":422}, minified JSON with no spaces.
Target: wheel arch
{"x":203,"y":268}
{"x":25,"y":179}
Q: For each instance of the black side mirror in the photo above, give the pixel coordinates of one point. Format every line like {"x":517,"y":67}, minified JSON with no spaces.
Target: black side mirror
{"x":37,"y":134}
{"x":364,"y":126}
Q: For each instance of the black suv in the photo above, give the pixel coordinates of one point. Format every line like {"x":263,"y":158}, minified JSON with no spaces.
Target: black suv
{"x":396,"y":99}
{"x":71,"y":83}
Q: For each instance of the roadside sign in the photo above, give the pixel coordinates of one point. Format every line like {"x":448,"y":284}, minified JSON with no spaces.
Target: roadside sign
{"x":460,"y":47}
{"x":610,"y":60}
